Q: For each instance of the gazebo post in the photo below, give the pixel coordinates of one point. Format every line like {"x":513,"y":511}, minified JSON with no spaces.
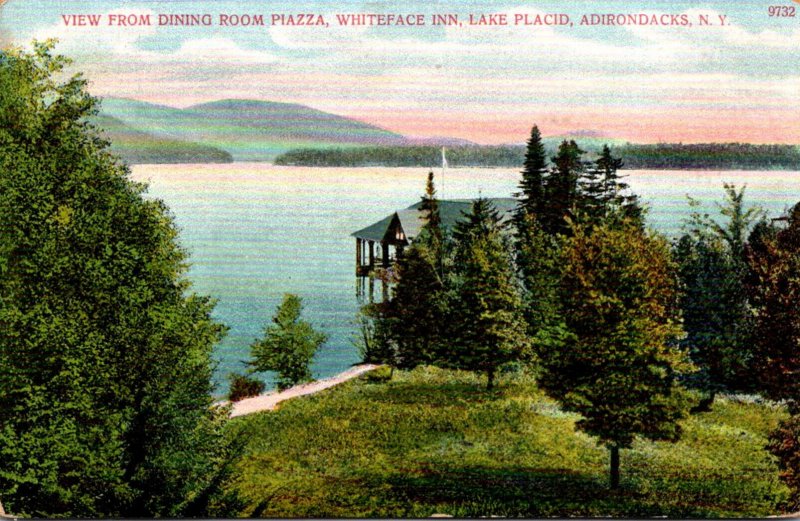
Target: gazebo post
{"x":371,"y":255}
{"x":358,"y":256}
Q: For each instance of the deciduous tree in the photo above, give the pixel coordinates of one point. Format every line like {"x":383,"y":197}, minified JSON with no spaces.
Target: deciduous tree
{"x":288,"y":346}
{"x":619,"y":364}
{"x":716,"y":312}
{"x":105,"y":358}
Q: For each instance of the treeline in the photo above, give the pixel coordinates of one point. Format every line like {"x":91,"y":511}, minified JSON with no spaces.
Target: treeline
{"x":663,"y":156}
{"x":711,"y":156}
{"x":619,"y":325}
{"x":398,"y":156}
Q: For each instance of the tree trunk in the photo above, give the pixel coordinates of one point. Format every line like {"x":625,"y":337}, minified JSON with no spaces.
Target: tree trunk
{"x":614,"y":466}
{"x":705,"y":403}
{"x":490,"y":379}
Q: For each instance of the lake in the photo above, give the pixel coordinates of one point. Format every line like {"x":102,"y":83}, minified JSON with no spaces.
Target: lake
{"x":257,"y":231}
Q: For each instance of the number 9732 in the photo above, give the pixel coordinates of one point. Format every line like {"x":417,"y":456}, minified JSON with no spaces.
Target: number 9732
{"x":781,"y":11}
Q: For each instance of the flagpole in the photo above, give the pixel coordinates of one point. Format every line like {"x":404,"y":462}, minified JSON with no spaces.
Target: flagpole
{"x":444,"y":165}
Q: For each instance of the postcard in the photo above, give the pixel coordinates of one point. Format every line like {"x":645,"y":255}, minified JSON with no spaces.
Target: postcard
{"x":333,"y":258}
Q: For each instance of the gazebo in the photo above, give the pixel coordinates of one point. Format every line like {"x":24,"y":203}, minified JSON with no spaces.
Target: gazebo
{"x":397,"y":231}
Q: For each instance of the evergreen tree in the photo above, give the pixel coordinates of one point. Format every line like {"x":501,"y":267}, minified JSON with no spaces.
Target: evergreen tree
{"x":560,"y":189}
{"x":288,"y":346}
{"x":531,"y":194}
{"x":413,"y":319}
{"x":105,"y":358}
{"x":603,"y":196}
{"x":593,"y":199}
{"x":487,"y":329}
{"x":373,"y":340}
{"x":539,"y":264}
{"x":415,"y":313}
{"x":714,"y":300}
{"x":430,"y":209}
{"x":482,"y":220}
{"x":432,"y":235}
{"x":619,"y":365}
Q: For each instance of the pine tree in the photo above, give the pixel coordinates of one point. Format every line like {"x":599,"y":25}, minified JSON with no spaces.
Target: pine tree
{"x":539,"y":264}
{"x":413,"y":319}
{"x":561,"y":189}
{"x":482,"y":220}
{"x":487,"y":329}
{"x":415,"y":313}
{"x":618,"y":367}
{"x":430,"y":208}
{"x":432,"y":235}
{"x":373,"y":339}
{"x":603,"y":197}
{"x":531,"y":194}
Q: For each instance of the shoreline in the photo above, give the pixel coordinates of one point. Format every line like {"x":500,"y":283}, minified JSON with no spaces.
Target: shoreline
{"x":269,"y":401}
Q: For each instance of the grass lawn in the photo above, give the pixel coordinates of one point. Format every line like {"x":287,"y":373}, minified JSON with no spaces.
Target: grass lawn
{"x":434,"y":441}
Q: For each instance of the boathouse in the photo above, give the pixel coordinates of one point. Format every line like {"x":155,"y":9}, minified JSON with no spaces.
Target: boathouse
{"x":380,"y":244}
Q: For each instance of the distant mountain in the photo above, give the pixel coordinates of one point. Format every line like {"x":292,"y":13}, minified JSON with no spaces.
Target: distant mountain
{"x":135,"y":146}
{"x":585,"y":132}
{"x":589,"y":140}
{"x":440,"y":141}
{"x":249,"y":130}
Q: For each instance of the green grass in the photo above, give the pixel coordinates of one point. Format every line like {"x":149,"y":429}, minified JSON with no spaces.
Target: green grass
{"x":433,"y":441}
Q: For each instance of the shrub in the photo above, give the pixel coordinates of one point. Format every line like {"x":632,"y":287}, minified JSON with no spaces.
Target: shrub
{"x":378,"y":375}
{"x":784,"y":443}
{"x":243,"y":386}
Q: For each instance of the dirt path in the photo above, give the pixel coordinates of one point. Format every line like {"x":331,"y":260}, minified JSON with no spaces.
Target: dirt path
{"x":269,"y":401}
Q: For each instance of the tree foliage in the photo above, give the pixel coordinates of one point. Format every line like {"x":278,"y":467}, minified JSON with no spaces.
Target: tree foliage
{"x":714,"y":301}
{"x":660,"y":156}
{"x":560,"y":194}
{"x":603,"y":195}
{"x":531,"y":185}
{"x":619,"y":363}
{"x":417,"y":308}
{"x":487,"y":328}
{"x":774,"y":285}
{"x":105,"y":360}
{"x":539,"y":264}
{"x":288,"y":346}
{"x":784,"y":444}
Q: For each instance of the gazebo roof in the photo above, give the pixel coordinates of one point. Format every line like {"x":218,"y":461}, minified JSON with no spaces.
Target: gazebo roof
{"x":411,"y":219}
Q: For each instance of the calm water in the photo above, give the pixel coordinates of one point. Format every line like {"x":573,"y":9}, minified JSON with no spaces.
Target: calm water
{"x":256,"y":231}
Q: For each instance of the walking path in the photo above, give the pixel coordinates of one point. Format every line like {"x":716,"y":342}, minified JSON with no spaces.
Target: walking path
{"x":269,"y":401}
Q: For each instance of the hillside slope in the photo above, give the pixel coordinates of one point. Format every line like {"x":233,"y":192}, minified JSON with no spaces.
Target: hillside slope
{"x":249,"y":130}
{"x":135,"y":146}
{"x":433,"y":441}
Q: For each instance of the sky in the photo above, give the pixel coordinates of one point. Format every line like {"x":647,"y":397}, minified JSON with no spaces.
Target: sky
{"x":489,"y":84}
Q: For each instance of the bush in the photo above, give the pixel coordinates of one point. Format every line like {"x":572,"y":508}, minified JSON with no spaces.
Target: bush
{"x":784,"y":443}
{"x":243,"y":386}
{"x":288,"y":345}
{"x":378,"y":375}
